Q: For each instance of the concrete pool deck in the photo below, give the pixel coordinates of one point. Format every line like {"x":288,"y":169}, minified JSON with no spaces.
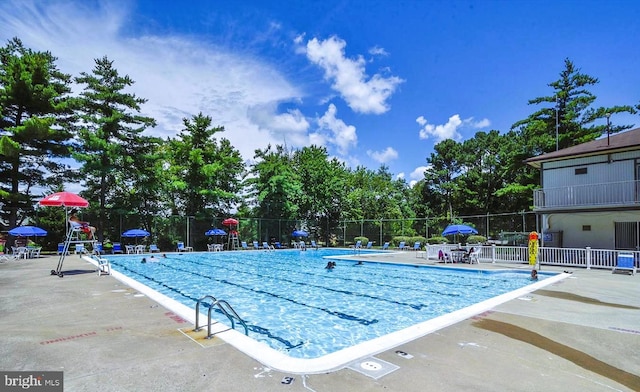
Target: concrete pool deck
{"x":582,"y":333}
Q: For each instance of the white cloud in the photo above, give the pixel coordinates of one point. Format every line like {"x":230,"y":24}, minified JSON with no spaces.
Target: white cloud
{"x":378,"y":51}
{"x":342,"y":135}
{"x":449,"y":130}
{"x":418,"y":173}
{"x":180,"y":76}
{"x":384,"y":156}
{"x":348,"y":76}
{"x":477,"y":124}
{"x":290,"y":127}
{"x":440,"y":132}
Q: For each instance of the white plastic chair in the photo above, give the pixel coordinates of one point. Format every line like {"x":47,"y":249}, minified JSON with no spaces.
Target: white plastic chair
{"x":104,"y":266}
{"x":34,"y":253}
{"x":475,"y":255}
{"x":21,"y":252}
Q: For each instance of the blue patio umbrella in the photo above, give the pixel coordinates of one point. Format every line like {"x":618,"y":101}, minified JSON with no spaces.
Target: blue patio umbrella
{"x":459,"y":229}
{"x":135,"y":233}
{"x":215,"y":231}
{"x":299,"y":233}
{"x":28,"y":231}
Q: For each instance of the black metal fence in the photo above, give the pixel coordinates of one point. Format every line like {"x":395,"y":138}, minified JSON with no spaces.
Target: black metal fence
{"x":167,"y":231}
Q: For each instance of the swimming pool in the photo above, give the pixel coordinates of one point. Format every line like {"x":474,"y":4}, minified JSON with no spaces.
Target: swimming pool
{"x":294,"y":305}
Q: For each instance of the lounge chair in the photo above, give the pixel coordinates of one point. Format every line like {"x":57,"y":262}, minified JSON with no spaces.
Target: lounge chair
{"x":277,"y":245}
{"x":401,"y":245}
{"x":314,"y":245}
{"x":417,"y":246}
{"x":244,"y":245}
{"x":182,"y":248}
{"x":385,"y":246}
{"x":8,"y":257}
{"x":256,"y":246}
{"x":117,"y":248}
{"x":358,"y":245}
{"x":265,"y":246}
{"x":154,"y":248}
{"x":625,"y":262}
{"x":80,"y":249}
{"x":370,"y":245}
{"x":61,"y":248}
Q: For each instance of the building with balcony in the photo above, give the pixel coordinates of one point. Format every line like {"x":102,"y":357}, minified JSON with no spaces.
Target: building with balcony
{"x":590,"y":195}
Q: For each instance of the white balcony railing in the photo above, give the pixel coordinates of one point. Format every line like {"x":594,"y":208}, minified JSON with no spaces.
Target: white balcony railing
{"x":593,"y":195}
{"x":567,"y":257}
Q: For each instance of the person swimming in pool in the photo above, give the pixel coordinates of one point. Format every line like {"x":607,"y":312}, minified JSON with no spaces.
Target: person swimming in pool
{"x":330,"y":265}
{"x":534,"y":274}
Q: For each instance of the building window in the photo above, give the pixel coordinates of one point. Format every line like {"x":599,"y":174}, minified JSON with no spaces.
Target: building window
{"x":586,"y":227}
{"x":582,"y":170}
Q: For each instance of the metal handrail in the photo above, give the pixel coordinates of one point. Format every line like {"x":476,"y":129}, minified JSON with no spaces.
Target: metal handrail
{"x":231,"y":313}
{"x":225,"y":308}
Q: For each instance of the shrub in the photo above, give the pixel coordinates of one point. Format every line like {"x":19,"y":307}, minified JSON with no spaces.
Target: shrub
{"x":413,"y":240}
{"x":476,"y":239}
{"x":395,"y":241}
{"x":363,"y":240}
{"x":437,"y":240}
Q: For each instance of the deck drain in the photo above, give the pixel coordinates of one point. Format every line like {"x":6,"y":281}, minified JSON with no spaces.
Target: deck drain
{"x":372,"y":367}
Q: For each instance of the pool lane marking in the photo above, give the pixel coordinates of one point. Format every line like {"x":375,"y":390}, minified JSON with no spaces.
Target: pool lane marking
{"x":364,"y":282}
{"x":416,"y":307}
{"x":252,"y":327}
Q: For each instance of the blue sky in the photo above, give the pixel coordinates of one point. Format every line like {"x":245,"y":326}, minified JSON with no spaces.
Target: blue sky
{"x":375,"y":82}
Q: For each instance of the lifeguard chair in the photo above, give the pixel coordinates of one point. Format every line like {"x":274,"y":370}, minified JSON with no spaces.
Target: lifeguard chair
{"x":75,"y":232}
{"x":233,"y":242}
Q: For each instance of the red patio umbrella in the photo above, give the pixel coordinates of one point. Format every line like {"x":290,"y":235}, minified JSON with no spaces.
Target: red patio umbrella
{"x":230,"y":222}
{"x":66,"y":199}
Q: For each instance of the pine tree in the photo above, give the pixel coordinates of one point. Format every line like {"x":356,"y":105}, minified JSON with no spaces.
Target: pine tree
{"x":34,"y":127}
{"x":112,"y":148}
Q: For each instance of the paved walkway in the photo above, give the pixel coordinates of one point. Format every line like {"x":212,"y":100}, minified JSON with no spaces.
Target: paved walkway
{"x":581,"y":334}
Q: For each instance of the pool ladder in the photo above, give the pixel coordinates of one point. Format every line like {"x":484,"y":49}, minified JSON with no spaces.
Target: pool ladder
{"x":225,"y":308}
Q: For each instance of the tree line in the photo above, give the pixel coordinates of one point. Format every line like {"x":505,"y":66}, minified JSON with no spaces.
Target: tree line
{"x":199,"y":173}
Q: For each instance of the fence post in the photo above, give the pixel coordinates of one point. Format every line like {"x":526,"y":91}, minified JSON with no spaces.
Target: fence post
{"x":588,"y":257}
{"x":493,"y":253}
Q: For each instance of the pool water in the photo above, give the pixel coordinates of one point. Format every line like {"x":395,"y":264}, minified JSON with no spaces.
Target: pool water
{"x":290,"y":302}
